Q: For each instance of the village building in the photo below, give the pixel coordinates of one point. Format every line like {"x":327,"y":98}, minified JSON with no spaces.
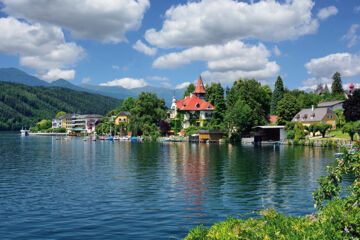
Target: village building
{"x":333,"y":105}
{"x":77,"y":123}
{"x":193,"y":110}
{"x":122,"y":117}
{"x":316,"y":115}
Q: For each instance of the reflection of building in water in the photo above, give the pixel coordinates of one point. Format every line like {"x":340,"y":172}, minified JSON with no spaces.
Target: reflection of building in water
{"x":189,"y":164}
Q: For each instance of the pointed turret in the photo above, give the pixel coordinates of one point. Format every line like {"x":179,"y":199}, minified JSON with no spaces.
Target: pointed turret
{"x":200,"y":89}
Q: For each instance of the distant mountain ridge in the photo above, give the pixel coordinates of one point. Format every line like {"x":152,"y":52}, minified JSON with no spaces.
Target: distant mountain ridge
{"x":17,"y":76}
{"x":23,"y":106}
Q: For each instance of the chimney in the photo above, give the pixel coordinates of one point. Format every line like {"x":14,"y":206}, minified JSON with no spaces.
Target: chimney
{"x":312,"y":108}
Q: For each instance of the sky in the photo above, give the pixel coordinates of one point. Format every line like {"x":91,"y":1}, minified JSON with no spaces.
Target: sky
{"x":134,"y":43}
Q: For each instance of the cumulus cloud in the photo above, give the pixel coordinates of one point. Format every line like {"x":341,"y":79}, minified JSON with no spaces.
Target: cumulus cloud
{"x":126,"y":83}
{"x":351,"y":35}
{"x":40,"y":47}
{"x":157,"y":78}
{"x":263,"y":74}
{"x":182,"y":85}
{"x":205,"y":22}
{"x":55,"y":74}
{"x":347,"y":64}
{"x":324,"y":13}
{"x":235,"y":57}
{"x":357,"y":9}
{"x":105,"y":20}
{"x":142,"y":47}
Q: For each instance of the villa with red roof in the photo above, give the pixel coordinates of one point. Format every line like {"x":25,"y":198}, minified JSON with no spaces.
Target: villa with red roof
{"x":194,"y":107}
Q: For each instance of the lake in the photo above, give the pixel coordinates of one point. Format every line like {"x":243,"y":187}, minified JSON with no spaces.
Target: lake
{"x":62,"y":189}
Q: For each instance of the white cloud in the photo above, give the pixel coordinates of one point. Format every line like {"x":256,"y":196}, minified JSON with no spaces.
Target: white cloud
{"x":324,"y":13}
{"x":357,"y":9}
{"x":126,"y":83}
{"x":351,"y":35}
{"x":157,"y":78}
{"x":116,"y":67}
{"x":182,"y":85}
{"x":270,"y":70}
{"x":86,"y":80}
{"x":40,"y":47}
{"x":276,"y":50}
{"x":105,"y":20}
{"x":225,"y":61}
{"x":200,"y":23}
{"x":55,"y":74}
{"x":347,"y":64}
{"x":141,"y":47}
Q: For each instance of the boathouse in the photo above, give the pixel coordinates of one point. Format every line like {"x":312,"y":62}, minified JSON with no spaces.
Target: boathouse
{"x":268,"y":133}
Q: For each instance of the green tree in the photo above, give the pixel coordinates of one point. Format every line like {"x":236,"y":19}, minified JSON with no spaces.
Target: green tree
{"x":336,"y":86}
{"x":127,"y":104}
{"x":189,"y":90}
{"x":253,"y":94}
{"x":277,"y":95}
{"x":340,"y":121}
{"x":147,"y":112}
{"x":287,"y":108}
{"x":299,"y":131}
{"x":241,"y":118}
{"x":312,"y":129}
{"x":352,"y":107}
{"x":351,"y":128}
{"x":215,"y":95}
{"x":59,"y":114}
{"x":322,"y":128}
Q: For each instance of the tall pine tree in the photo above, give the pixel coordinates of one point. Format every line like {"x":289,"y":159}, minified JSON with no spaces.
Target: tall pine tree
{"x":277,"y":95}
{"x":336,"y":86}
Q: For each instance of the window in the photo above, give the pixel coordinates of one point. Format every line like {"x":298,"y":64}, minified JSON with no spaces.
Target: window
{"x":197,"y":105}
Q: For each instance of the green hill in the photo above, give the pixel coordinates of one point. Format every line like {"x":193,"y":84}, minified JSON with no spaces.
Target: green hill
{"x":22,"y":105}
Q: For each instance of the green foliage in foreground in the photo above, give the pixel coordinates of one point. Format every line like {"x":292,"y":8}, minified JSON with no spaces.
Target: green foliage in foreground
{"x":22,"y":105}
{"x":338,"y":219}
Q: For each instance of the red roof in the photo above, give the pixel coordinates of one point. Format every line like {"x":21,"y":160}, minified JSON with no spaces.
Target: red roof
{"x":272,"y":118}
{"x":199,"y":86}
{"x":193,"y":103}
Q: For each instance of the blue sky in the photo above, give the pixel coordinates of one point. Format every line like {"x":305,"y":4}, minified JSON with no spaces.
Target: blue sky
{"x":133,"y":43}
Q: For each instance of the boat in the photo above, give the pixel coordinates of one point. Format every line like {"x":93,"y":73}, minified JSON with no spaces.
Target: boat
{"x":338,"y":155}
{"x":24,"y":132}
{"x":110,"y":138}
{"x":116,"y":138}
{"x":134,"y":139}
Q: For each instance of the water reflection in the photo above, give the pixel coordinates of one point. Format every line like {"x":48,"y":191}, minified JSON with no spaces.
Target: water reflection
{"x":125,"y":190}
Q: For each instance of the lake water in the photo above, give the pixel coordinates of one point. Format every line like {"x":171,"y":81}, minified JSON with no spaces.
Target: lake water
{"x":59,"y":189}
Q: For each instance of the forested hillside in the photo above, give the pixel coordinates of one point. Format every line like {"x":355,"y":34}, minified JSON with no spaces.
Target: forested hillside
{"x":22,"y":105}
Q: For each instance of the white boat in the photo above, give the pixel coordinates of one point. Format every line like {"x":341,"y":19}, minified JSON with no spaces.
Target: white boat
{"x":24,"y":132}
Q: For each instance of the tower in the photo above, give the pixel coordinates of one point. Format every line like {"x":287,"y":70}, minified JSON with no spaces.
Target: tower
{"x":200,"y":89}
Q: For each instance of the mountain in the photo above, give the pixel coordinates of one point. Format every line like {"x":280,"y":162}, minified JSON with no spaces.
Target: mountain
{"x":116,"y":92}
{"x":18,"y":76}
{"x":22,"y":105}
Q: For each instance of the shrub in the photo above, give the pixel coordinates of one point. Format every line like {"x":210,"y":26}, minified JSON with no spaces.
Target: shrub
{"x":290,"y":134}
{"x":299,"y":131}
{"x":296,"y":142}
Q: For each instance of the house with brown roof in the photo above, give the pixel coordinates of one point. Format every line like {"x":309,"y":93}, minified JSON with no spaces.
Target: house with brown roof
{"x":195,"y":109}
{"x":316,"y":115}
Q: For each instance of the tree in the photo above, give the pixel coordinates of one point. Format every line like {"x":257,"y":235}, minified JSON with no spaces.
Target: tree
{"x":127,"y":104}
{"x":340,"y":121}
{"x":189,"y":90}
{"x":277,"y":95}
{"x":322,"y":128}
{"x":253,"y":94}
{"x":352,"y":107}
{"x":286,"y":109}
{"x":241,"y":118}
{"x":215,"y":95}
{"x":299,"y":131}
{"x":59,"y":114}
{"x":336,"y":86}
{"x":312,"y":128}
{"x":351,"y":128}
{"x":164,"y":127}
{"x":147,"y":113}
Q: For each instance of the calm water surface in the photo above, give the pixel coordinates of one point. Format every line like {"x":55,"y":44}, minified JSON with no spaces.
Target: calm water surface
{"x":58,"y":189}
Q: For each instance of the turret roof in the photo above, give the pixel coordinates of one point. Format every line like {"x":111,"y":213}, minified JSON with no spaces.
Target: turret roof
{"x":199,"y":86}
